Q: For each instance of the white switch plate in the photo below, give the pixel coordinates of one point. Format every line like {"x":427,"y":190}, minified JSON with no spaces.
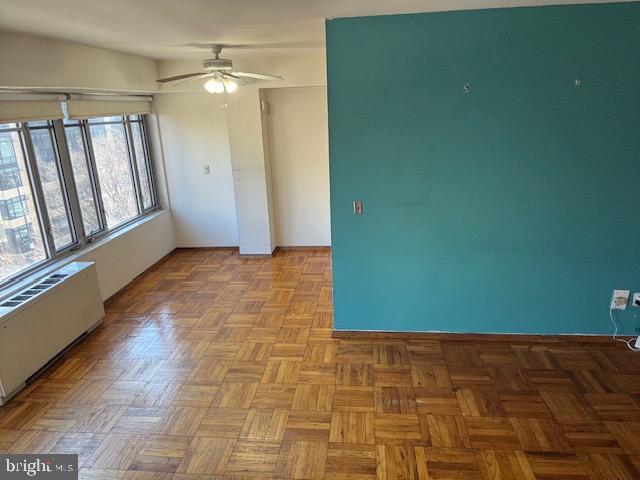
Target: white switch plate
{"x":620,"y":299}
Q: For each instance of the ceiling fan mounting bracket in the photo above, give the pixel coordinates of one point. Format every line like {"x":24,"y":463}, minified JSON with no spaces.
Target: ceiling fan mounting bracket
{"x":217,"y":64}
{"x":216,"y":48}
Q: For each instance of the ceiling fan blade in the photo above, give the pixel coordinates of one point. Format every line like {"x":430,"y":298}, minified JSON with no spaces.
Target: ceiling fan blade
{"x":204,"y":75}
{"x":257,"y":76}
{"x":178,"y":77}
{"x":239,"y":80}
{"x":208,"y":46}
{"x":316,"y":44}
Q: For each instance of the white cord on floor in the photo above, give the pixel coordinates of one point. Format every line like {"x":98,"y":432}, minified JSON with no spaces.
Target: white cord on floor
{"x":615,"y":333}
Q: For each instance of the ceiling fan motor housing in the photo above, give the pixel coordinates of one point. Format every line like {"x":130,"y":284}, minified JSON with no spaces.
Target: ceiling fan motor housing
{"x":217,"y":64}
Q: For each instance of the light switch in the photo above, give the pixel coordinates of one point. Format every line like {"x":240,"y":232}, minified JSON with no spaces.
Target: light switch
{"x":358,"y":207}
{"x":207,"y":170}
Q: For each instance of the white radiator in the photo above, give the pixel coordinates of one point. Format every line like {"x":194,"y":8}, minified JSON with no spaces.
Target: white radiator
{"x":42,"y":320}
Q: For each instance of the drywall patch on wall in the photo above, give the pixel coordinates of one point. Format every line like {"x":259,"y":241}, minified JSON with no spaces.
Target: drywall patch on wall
{"x":508,"y":208}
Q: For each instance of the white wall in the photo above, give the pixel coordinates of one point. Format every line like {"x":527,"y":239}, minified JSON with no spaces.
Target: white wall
{"x":194,"y":135}
{"x":253,"y":206}
{"x":30,"y":61}
{"x":299,"y":159}
{"x":250,"y":160}
{"x":128,"y":253}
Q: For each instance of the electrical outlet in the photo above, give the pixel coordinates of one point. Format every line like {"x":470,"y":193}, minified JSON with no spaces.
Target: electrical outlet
{"x":636,"y":299}
{"x":620,"y":299}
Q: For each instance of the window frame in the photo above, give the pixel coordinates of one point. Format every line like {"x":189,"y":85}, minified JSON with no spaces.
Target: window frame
{"x":80,"y":238}
{"x":61,"y":154}
{"x":93,"y":177}
{"x":147,"y":161}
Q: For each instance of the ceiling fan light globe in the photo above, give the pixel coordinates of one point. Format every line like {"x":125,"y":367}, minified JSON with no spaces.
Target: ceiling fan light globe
{"x":230,"y":86}
{"x":214,"y":85}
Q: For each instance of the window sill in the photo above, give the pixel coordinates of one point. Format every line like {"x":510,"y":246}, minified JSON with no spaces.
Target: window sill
{"x":74,"y":255}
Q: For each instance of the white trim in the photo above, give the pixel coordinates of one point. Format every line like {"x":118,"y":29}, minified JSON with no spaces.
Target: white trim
{"x":110,"y":98}
{"x":81,"y":109}
{"x":32,"y":96}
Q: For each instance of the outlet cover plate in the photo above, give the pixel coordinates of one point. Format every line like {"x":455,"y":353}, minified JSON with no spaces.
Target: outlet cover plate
{"x":620,"y":299}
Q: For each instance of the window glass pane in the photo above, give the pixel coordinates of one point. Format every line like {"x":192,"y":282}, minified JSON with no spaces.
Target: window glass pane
{"x":21,"y":244}
{"x":141,"y":164}
{"x":114,"y":173}
{"x":50,"y":180}
{"x":105,"y":119}
{"x":82,"y":177}
{"x":38,"y":123}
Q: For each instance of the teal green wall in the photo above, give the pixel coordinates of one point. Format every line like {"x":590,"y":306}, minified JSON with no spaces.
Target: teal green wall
{"x":513,"y":208}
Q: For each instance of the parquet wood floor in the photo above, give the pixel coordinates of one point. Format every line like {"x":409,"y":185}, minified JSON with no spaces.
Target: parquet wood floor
{"x":212,"y":366}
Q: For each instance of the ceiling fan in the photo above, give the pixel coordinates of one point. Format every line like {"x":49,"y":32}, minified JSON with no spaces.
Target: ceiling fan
{"x":222,"y":77}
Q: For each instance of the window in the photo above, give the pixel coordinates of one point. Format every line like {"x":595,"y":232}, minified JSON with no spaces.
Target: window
{"x":137,"y":135}
{"x":14,"y":207}
{"x":21,"y":243}
{"x":10,"y":178}
{"x":63,"y":183}
{"x":51,"y":180}
{"x":7,"y":155}
{"x":113,"y":161}
{"x":83,"y":176}
{"x":21,"y":238}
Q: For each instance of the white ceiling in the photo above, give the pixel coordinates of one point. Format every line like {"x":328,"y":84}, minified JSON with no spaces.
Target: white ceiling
{"x":165,"y":29}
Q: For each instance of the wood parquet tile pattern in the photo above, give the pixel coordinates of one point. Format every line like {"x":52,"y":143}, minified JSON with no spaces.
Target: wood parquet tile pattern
{"x":212,"y":366}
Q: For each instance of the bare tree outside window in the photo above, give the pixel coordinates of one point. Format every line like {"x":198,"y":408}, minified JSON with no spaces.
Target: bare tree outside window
{"x":114,"y":172}
{"x":82,"y":177}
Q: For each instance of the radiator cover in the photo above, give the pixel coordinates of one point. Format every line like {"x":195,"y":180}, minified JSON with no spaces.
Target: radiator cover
{"x":36,"y":329}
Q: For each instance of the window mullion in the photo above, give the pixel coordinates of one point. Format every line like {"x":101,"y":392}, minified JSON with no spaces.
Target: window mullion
{"x":134,"y":166}
{"x":102,"y":213}
{"x":36,"y":186}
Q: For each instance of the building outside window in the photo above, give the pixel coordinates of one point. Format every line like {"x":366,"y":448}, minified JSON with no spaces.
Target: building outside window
{"x":10,"y":178}
{"x":20,"y":238}
{"x":20,"y":242}
{"x":7,"y":154}
{"x":13,"y":208}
